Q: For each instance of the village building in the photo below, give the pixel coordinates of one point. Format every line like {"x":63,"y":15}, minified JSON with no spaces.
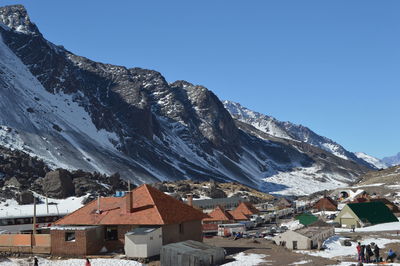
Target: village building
{"x":208,"y":205}
{"x":355,"y":215}
{"x":102,"y":224}
{"x":218,"y":216}
{"x":244,"y":211}
{"x":283,"y":203}
{"x":306,"y":218}
{"x":309,"y":237}
{"x":191,"y":253}
{"x":326,"y":204}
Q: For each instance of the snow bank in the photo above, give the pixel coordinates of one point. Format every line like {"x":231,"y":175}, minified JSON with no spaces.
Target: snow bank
{"x":243,"y":259}
{"x":374,"y":228}
{"x":335,"y":249}
{"x":293,"y":225}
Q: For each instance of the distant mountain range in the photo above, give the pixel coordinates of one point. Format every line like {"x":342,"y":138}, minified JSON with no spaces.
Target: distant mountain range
{"x":392,"y":160}
{"x":75,"y":113}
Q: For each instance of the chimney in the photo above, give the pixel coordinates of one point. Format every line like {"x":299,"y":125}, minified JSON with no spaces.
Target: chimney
{"x":128,"y":202}
{"x":190,"y":200}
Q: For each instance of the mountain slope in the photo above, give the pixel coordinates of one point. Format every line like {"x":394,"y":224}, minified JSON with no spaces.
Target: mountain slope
{"x":79,"y":114}
{"x":379,"y":164}
{"x":290,"y":131}
{"x":392,"y":160}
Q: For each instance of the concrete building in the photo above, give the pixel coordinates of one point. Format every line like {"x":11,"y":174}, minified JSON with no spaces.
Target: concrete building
{"x":113,"y":217}
{"x":191,"y":253}
{"x":364,"y":214}
{"x":143,"y":242}
{"x":209,"y":204}
{"x":305,"y":238}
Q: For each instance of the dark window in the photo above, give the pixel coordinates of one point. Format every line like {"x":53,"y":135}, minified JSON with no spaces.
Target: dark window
{"x":111,"y":233}
{"x":70,"y":236}
{"x":181,"y":228}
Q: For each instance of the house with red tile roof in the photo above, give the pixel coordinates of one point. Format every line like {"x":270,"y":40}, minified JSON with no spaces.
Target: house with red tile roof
{"x":326,"y":204}
{"x":101,"y":225}
{"x":244,"y":211}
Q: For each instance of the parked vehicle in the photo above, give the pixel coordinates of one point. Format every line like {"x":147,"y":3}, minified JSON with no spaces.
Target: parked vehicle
{"x":231,"y":229}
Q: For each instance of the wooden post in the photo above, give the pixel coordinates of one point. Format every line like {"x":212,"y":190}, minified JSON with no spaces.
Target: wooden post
{"x":34,"y":215}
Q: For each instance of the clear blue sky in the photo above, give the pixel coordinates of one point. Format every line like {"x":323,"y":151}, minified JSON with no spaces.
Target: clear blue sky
{"x":333,"y":66}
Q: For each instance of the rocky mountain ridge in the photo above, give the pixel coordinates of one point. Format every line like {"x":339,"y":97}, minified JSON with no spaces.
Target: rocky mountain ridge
{"x":74,"y":113}
{"x":392,"y":160}
{"x":288,"y":130}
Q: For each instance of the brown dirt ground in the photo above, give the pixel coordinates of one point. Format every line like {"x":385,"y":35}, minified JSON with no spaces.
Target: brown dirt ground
{"x":275,"y":255}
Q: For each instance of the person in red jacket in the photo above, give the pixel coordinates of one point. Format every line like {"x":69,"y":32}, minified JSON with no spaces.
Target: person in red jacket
{"x":87,"y":262}
{"x":359,"y":252}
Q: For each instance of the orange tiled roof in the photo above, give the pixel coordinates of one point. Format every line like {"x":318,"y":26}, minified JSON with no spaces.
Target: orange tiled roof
{"x":243,"y":210}
{"x":149,"y":207}
{"x":219,"y":214}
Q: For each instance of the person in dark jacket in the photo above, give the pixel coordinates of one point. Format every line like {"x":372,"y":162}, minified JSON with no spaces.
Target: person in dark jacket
{"x":362,"y":253}
{"x":376,"y":253}
{"x":368,"y":253}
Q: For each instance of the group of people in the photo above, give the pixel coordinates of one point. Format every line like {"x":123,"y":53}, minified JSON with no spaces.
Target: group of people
{"x":366,"y":252}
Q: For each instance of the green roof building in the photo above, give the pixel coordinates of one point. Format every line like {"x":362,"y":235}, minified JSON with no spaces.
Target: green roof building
{"x":306,"y":218}
{"x":365,"y":214}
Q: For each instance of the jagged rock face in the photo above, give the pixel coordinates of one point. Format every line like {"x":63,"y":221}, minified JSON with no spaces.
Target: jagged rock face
{"x":79,"y":114}
{"x":58,"y":184}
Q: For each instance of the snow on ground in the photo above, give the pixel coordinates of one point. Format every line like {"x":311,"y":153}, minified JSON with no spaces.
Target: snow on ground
{"x":11,"y":208}
{"x":301,"y":262}
{"x":249,"y":259}
{"x":73,"y":262}
{"x":302,"y":181}
{"x":293,"y":225}
{"x":395,"y":226}
{"x":335,"y":250}
{"x":369,"y":185}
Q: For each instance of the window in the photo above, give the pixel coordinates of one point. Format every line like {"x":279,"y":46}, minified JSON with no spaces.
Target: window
{"x":111,"y":233}
{"x":181,"y":228}
{"x":70,"y":236}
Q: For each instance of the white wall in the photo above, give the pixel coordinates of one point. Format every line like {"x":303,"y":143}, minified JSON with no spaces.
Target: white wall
{"x":143,"y":246}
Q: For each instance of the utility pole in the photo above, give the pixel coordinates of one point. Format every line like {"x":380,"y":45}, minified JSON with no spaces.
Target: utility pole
{"x":47,"y":204}
{"x":34,"y":215}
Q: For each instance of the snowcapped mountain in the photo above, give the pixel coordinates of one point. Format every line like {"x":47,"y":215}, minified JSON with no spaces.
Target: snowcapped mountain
{"x":392,"y":160}
{"x":379,"y":164}
{"x":79,"y":114}
{"x":288,"y":130}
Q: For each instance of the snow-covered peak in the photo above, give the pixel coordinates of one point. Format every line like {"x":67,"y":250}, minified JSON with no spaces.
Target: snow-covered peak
{"x":288,"y":130}
{"x":392,"y":160}
{"x":16,"y":18}
{"x":372,"y":160}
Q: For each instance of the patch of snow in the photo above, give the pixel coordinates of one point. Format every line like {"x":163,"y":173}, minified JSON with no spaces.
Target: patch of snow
{"x":334,"y":249}
{"x":247,"y":259}
{"x":394,"y":226}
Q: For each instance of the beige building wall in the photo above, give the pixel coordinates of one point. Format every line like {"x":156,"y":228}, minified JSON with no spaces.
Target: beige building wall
{"x":347,"y":218}
{"x":291,"y":238}
{"x":180,"y":232}
{"x":143,"y":246}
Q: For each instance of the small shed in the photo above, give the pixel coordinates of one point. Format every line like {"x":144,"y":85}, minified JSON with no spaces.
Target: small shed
{"x":143,"y":242}
{"x":191,"y":253}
